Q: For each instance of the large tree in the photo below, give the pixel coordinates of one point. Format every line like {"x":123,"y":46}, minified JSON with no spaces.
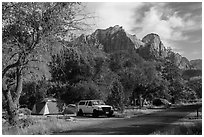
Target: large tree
{"x":27,"y":30}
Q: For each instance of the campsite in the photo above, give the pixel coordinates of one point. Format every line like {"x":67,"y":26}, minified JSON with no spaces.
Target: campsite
{"x":101,"y":68}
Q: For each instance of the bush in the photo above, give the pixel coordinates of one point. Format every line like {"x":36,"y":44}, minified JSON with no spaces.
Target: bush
{"x":25,"y":122}
{"x":25,"y":111}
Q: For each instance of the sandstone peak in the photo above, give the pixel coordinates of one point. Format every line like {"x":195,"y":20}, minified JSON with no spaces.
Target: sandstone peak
{"x":155,"y":44}
{"x":116,"y":38}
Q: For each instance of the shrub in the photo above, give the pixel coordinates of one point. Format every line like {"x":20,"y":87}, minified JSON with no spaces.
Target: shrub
{"x":25,"y":111}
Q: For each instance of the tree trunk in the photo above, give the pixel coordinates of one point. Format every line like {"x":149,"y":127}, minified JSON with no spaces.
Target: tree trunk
{"x":19,"y":86}
{"x":13,"y":101}
{"x":11,"y":108}
{"x":140,"y":100}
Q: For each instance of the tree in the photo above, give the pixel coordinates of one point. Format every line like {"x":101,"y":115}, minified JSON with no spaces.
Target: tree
{"x":78,"y":71}
{"x":196,"y":85}
{"x":33,"y":92}
{"x":27,"y":30}
{"x":116,"y":97}
{"x":172,"y":74}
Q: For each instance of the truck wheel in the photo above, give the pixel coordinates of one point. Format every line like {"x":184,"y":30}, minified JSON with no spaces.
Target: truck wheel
{"x":80,"y":113}
{"x":95,"y":113}
{"x":110,"y":114}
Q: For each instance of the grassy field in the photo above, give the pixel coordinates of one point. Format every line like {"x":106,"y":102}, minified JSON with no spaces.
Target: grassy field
{"x":42,"y":125}
{"x":189,"y":125}
{"x":45,"y":125}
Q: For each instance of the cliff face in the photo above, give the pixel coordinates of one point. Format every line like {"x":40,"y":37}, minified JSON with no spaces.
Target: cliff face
{"x":154,"y":49}
{"x":178,"y":60}
{"x":115,"y":38}
{"x":156,"y":46}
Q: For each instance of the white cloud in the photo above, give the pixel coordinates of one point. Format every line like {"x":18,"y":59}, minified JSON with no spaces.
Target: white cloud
{"x":168,"y":29}
{"x":111,"y":14}
{"x":156,"y":18}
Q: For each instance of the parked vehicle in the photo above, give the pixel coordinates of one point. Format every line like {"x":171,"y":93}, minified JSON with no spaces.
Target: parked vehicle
{"x":70,"y":109}
{"x":94,"y":107}
{"x":161,"y":102}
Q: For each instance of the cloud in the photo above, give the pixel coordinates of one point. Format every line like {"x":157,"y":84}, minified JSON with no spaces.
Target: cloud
{"x":111,"y":14}
{"x":179,"y":24}
{"x":165,"y":22}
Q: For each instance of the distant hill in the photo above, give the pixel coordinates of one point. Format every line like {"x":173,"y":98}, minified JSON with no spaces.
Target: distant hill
{"x":192,"y":73}
{"x":197,"y":64}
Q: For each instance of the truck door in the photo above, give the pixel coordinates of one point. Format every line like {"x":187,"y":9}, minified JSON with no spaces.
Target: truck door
{"x":89,"y":107}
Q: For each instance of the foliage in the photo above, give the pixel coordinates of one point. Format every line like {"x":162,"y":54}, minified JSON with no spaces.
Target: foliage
{"x":76,"y":71}
{"x":140,"y":79}
{"x":116,"y":97}
{"x":188,"y":74}
{"x":172,"y":74}
{"x":25,"y":111}
{"x":28,"y":32}
{"x":34,"y":92}
{"x":196,"y":85}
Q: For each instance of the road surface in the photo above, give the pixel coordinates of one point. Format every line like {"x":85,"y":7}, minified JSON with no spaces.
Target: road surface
{"x":140,"y":125}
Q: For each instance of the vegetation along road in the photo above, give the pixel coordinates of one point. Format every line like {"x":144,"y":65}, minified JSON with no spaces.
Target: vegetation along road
{"x":144,"y":124}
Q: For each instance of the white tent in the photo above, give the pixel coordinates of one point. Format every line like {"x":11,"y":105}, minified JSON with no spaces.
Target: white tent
{"x":47,"y":106}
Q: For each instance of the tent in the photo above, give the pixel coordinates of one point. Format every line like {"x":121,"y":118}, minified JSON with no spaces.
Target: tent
{"x":48,"y":106}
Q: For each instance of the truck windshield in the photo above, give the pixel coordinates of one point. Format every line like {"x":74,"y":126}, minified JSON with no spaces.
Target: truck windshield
{"x":98,"y":102}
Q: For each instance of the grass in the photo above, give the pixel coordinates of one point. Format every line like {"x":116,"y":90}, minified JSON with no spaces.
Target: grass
{"x":47,"y":125}
{"x":190,"y":125}
{"x":182,"y":129}
{"x":41,"y":126}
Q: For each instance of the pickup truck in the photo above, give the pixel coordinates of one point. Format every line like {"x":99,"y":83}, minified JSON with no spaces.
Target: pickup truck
{"x":94,"y":107}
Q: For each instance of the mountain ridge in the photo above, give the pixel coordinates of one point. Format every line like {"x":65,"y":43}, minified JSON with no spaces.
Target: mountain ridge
{"x":151,"y":47}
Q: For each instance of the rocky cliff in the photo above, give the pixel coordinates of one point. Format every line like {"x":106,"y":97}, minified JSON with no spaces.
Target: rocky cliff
{"x":178,"y":60}
{"x":115,"y":38}
{"x":156,"y":46}
{"x":153,"y":48}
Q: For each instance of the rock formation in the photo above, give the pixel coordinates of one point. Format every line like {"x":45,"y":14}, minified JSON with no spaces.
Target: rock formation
{"x":115,"y":39}
{"x":151,"y":48}
{"x":153,"y":41}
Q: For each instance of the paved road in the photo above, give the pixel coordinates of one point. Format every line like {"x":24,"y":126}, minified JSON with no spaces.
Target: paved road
{"x":140,"y":125}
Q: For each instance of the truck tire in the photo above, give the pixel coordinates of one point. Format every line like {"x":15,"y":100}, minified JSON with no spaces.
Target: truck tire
{"x":95,"y":113}
{"x":80,"y":113}
{"x":110,"y":114}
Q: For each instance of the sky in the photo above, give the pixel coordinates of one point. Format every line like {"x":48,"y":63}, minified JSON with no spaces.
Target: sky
{"x":179,"y":24}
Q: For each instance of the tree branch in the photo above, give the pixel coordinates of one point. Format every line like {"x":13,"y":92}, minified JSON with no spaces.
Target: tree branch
{"x":9,"y":67}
